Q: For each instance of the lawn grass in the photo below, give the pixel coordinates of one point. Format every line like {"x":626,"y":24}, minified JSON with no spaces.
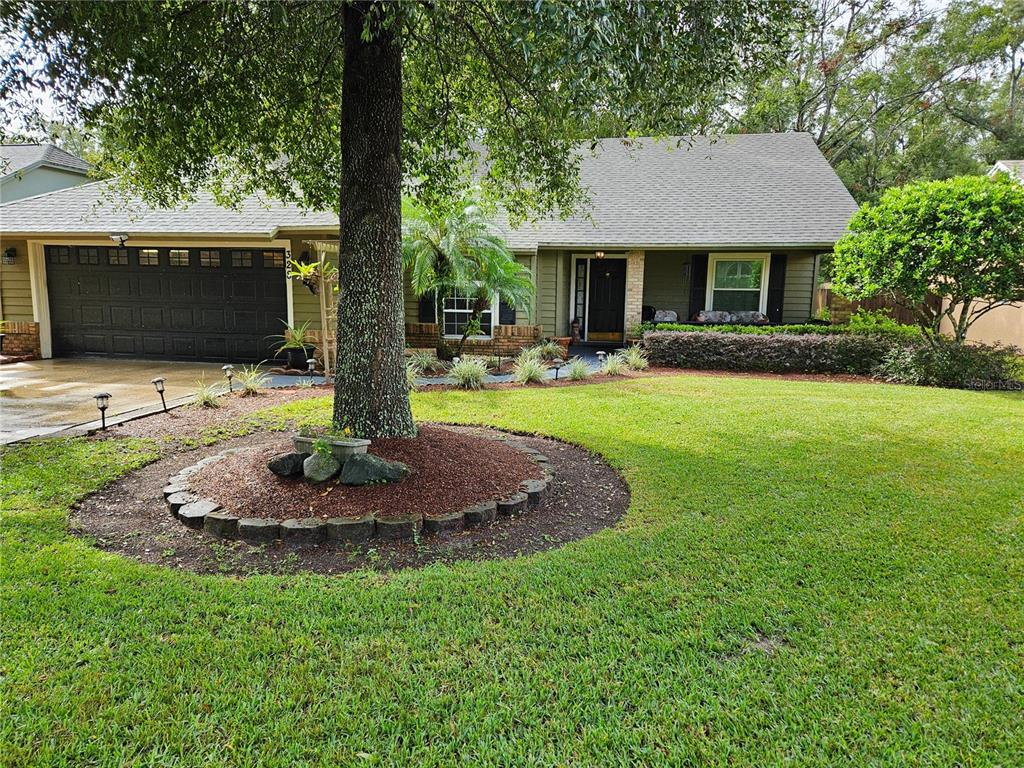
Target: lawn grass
{"x":809,"y":574}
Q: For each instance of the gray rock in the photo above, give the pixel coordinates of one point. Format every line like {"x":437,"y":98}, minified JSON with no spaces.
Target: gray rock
{"x":399,"y":526}
{"x":194,"y":513}
{"x":222,"y":524}
{"x":172,"y":488}
{"x":350,"y":529}
{"x":534,"y":490}
{"x":308,"y":530}
{"x":480,"y":514}
{"x":513,"y":505}
{"x":258,"y":530}
{"x":318,"y":468}
{"x":287,"y":464}
{"x":178,"y":500}
{"x":442,"y":523}
{"x":363,"y":468}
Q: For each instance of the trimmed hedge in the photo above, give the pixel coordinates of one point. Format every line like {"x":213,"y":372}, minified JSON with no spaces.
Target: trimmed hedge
{"x":770,"y":352}
{"x":904,"y":332}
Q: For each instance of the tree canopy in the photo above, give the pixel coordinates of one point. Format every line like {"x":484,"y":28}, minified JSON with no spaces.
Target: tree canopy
{"x":961,"y":239}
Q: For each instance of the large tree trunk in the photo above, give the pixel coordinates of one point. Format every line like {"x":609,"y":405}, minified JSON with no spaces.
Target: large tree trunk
{"x":370,"y":393}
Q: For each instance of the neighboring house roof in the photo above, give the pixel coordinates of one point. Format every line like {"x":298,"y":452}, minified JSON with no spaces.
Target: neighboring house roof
{"x":21,"y":158}
{"x":739,"y":191}
{"x":98,"y":209}
{"x":1013,"y":167}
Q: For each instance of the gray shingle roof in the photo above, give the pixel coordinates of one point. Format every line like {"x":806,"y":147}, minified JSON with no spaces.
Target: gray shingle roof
{"x":97,"y":209}
{"x":18,"y":157}
{"x":741,"y":190}
{"x":1013,"y":167}
{"x":744,"y":191}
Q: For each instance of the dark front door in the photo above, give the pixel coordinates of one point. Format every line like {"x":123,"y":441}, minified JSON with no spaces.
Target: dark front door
{"x":176,"y":303}
{"x":606,"y":315}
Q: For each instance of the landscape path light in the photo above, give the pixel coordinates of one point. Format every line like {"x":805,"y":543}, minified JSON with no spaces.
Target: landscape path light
{"x":102,"y":402}
{"x":229,"y":371}
{"x":158,"y":382}
{"x":557,"y":364}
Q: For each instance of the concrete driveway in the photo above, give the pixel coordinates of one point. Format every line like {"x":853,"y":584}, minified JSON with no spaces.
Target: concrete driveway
{"x":46,"y":396}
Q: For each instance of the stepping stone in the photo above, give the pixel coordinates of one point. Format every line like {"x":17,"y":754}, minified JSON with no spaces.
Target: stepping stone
{"x":222,"y":524}
{"x":442,"y":523}
{"x":193,"y":513}
{"x":513,"y":505}
{"x":172,"y":488}
{"x":481,"y":514}
{"x":534,"y":490}
{"x":178,"y":500}
{"x":350,"y":529}
{"x":258,"y":530}
{"x":308,"y":530}
{"x":399,"y":527}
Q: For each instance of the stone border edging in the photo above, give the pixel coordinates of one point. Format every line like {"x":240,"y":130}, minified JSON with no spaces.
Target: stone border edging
{"x":194,"y":511}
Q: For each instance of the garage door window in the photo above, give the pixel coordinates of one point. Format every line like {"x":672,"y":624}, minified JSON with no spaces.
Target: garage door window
{"x":117,"y":257}
{"x":149,"y":257}
{"x":88,"y":255}
{"x":178,"y":257}
{"x":209,"y":258}
{"x":241,"y":258}
{"x":58,"y":254}
{"x":273,"y":259}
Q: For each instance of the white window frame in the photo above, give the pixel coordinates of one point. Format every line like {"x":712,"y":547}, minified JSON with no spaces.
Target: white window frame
{"x":495,"y":305}
{"x":766,"y":263}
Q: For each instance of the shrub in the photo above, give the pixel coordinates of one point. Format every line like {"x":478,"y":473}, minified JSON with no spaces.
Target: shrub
{"x":548,"y":350}
{"x":892,"y":328}
{"x":615,"y":365}
{"x":974,"y":366}
{"x":773,"y":353}
{"x":528,"y":368}
{"x":205,"y":394}
{"x":635,"y":358}
{"x":578,"y":369}
{"x":468,"y":373}
{"x":252,"y":379}
{"x":412,"y":372}
{"x":427,"y":361}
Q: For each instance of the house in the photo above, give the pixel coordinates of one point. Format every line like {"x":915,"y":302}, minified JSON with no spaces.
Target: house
{"x":1013,"y":168}
{"x":32,"y":169}
{"x":737,"y":223}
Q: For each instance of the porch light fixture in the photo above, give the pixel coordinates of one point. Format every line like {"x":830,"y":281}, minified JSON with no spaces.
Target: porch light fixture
{"x":598,"y":254}
{"x":557,"y":364}
{"x":102,"y":402}
{"x":229,"y":371}
{"x":10,"y":256}
{"x":158,"y":382}
{"x":120,"y":238}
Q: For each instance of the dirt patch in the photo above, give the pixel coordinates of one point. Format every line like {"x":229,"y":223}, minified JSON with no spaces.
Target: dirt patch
{"x":449,"y":471}
{"x":130,"y":517}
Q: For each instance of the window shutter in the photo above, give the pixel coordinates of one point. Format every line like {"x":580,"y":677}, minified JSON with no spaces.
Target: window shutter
{"x":698,"y":283}
{"x":427,"y":311}
{"x":506,"y":314}
{"x":776,"y":287}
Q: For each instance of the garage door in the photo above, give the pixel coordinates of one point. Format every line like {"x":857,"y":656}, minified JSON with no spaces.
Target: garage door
{"x":176,"y":303}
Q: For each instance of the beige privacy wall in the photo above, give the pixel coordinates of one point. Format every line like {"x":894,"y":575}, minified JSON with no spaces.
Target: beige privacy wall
{"x":1004,"y":325}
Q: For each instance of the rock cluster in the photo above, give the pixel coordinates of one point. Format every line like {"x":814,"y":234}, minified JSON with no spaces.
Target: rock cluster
{"x":357,"y":469}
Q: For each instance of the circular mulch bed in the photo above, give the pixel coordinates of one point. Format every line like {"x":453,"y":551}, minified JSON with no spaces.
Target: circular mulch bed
{"x":449,"y":471}
{"x":130,"y":516}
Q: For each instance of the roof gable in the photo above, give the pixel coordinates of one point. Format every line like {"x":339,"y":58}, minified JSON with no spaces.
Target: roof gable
{"x":21,"y":158}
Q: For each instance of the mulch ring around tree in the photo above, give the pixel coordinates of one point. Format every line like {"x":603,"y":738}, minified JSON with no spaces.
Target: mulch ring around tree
{"x":451,"y":467}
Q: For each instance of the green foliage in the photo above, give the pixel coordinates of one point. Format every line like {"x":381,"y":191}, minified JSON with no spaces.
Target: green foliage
{"x":412,"y":372}
{"x":468,"y":373}
{"x":529,"y":368}
{"x":635,"y":358}
{"x":427,"y":361}
{"x":615,"y":365}
{"x":252,"y":379}
{"x":863,"y":325}
{"x":295,"y":336}
{"x":206,"y":395}
{"x":959,"y":239}
{"x":959,"y":366}
{"x":548,"y":350}
{"x":578,"y":369}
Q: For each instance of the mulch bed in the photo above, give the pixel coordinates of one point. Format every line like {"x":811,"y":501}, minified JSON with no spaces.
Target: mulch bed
{"x":449,"y":471}
{"x":130,"y":517}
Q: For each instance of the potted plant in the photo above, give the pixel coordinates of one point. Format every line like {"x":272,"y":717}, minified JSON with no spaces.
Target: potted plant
{"x":297,"y":345}
{"x":342,"y":444}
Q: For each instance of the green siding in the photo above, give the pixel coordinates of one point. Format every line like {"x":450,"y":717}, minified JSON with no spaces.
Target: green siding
{"x":38,"y":181}
{"x":799,"y":288}
{"x":548,"y":263}
{"x":15,"y":284}
{"x":667,"y":281}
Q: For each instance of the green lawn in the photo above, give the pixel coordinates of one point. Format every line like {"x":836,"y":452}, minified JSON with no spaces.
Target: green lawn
{"x":870,"y":537}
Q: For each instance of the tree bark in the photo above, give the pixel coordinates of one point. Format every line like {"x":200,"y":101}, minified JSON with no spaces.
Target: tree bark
{"x":370,"y":393}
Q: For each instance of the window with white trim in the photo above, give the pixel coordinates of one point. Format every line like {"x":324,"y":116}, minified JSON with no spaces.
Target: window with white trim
{"x":457,"y":311}
{"x":737,"y":284}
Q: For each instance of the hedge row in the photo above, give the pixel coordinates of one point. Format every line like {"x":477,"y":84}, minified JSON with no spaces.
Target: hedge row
{"x":903,"y":332}
{"x":770,"y":352}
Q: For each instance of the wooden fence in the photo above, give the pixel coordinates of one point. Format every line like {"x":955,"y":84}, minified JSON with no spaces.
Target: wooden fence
{"x":840,"y":309}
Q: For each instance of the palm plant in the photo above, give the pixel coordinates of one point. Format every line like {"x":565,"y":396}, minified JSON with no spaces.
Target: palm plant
{"x":450,"y":250}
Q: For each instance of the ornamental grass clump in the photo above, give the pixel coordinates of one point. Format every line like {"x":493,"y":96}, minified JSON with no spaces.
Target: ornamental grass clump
{"x":528,"y":368}
{"x":635,"y":358}
{"x":469,"y":373}
{"x":205,"y":395}
{"x":615,"y":365}
{"x":252,"y":379}
{"x":412,"y":372}
{"x":426,"y":361}
{"x":548,"y":350}
{"x":578,"y":369}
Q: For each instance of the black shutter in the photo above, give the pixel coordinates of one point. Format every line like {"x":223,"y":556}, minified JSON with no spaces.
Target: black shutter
{"x":427,"y":312}
{"x":698,"y":283}
{"x":506,"y":314}
{"x":776,"y":287}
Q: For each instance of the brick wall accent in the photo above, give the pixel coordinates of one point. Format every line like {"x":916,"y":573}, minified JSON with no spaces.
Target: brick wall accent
{"x":21,"y":340}
{"x":634,"y":288}
{"x":505,"y":340}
